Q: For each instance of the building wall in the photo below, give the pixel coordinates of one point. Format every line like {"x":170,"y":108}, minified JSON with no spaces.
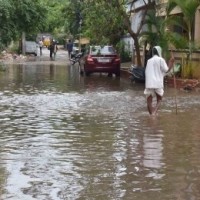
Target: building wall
{"x":161,"y":11}
{"x":129,"y":43}
{"x":136,"y":18}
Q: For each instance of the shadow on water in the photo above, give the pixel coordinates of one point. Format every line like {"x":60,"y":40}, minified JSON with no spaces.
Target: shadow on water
{"x":65,"y":136}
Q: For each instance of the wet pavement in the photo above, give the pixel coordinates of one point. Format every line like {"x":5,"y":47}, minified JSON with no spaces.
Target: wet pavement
{"x":64,"y":137}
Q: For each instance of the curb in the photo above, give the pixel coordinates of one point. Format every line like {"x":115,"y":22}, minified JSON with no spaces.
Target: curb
{"x":125,"y":69}
{"x":181,"y":84}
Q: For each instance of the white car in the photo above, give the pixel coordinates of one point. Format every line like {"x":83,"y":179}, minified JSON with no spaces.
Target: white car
{"x":31,"y":47}
{"x":75,"y":48}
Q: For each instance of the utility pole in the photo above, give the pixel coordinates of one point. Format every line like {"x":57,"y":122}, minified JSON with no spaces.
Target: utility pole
{"x":23,"y":43}
{"x":80,"y":23}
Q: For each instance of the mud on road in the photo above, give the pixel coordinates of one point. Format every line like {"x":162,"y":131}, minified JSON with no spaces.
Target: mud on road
{"x":60,"y":59}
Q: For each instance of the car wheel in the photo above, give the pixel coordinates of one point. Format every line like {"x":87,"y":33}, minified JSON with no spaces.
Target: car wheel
{"x":81,"y":72}
{"x":87,"y":73}
{"x":117,"y":74}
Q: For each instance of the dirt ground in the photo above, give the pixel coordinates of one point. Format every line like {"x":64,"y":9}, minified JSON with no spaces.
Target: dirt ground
{"x":10,"y":58}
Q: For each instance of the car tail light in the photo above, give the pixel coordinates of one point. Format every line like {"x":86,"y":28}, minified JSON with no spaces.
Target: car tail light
{"x":90,"y":59}
{"x":117,"y":59}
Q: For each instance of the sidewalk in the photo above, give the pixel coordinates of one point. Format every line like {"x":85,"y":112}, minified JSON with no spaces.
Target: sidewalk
{"x":178,"y":83}
{"x":125,"y":69}
{"x":126,"y":65}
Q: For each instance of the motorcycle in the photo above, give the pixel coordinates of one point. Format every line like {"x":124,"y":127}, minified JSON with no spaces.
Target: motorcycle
{"x":76,"y":58}
{"x":138,"y":73}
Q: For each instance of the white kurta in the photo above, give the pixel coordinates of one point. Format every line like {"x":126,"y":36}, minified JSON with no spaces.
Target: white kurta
{"x":155,"y":71}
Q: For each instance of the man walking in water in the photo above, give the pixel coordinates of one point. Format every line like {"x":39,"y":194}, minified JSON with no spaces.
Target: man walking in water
{"x":40,"y":45}
{"x":69,"y":48}
{"x":155,"y":71}
{"x":53,"y":49}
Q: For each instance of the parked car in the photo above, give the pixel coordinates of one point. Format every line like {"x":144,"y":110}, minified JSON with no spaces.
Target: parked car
{"x":102,"y":59}
{"x":31,"y":47}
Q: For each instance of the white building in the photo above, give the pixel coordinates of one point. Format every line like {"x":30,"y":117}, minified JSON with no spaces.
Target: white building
{"x":136,"y":12}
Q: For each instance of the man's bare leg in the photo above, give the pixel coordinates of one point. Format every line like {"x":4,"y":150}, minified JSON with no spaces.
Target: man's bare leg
{"x":159,"y":100}
{"x":149,"y":104}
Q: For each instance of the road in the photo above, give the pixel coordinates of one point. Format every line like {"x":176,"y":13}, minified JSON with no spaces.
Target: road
{"x":61,"y":57}
{"x":65,"y":136}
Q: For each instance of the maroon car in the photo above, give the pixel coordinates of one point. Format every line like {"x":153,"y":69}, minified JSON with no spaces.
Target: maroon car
{"x":103,"y":59}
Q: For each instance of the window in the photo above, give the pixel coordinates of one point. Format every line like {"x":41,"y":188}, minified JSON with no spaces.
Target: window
{"x":102,"y":50}
{"x":181,"y":29}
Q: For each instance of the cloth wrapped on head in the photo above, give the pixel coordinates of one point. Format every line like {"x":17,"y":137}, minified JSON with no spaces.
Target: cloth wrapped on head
{"x":159,"y":50}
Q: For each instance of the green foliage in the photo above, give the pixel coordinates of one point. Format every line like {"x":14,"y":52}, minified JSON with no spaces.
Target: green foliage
{"x":125,"y":54}
{"x":178,"y":41}
{"x":19,"y":16}
{"x":92,"y":20}
{"x":30,"y":13}
{"x":2,"y":67}
{"x":195,"y":71}
{"x":72,"y":12}
{"x":8,"y":27}
{"x":103,"y":25}
{"x":14,"y":47}
{"x":61,"y":38}
{"x":55,"y":18}
{"x":188,"y":8}
{"x":189,"y":68}
{"x":156,"y":33}
{"x":187,"y":71}
{"x":31,"y":17}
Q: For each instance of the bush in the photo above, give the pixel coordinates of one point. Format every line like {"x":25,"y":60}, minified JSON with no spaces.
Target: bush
{"x":14,"y":48}
{"x":61,"y":38}
{"x":2,"y":46}
{"x":125,"y":54}
{"x":191,"y":71}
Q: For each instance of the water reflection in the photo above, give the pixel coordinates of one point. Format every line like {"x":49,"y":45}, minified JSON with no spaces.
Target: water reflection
{"x":65,"y":136}
{"x":52,"y":71}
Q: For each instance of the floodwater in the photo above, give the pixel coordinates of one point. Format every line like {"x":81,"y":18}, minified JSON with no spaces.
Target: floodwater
{"x":67,"y":137}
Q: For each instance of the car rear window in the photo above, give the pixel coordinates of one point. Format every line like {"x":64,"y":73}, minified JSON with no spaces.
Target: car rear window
{"x":102,"y":50}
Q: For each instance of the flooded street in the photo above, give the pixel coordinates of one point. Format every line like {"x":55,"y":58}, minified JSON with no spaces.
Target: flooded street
{"x":68,"y":137}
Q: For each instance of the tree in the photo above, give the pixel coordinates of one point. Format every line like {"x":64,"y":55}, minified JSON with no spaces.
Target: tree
{"x":188,"y":8}
{"x":55,"y":18}
{"x":105,"y":21}
{"x":111,"y":19}
{"x":147,"y":4}
{"x":28,"y":15}
{"x":72,"y":13}
{"x":103,"y":25}
{"x":8,"y":27}
{"x":158,"y":32}
{"x":19,"y":16}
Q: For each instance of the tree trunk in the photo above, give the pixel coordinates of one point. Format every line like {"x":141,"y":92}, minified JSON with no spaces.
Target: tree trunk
{"x":23,"y":43}
{"x":137,"y":48}
{"x":138,"y":56}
